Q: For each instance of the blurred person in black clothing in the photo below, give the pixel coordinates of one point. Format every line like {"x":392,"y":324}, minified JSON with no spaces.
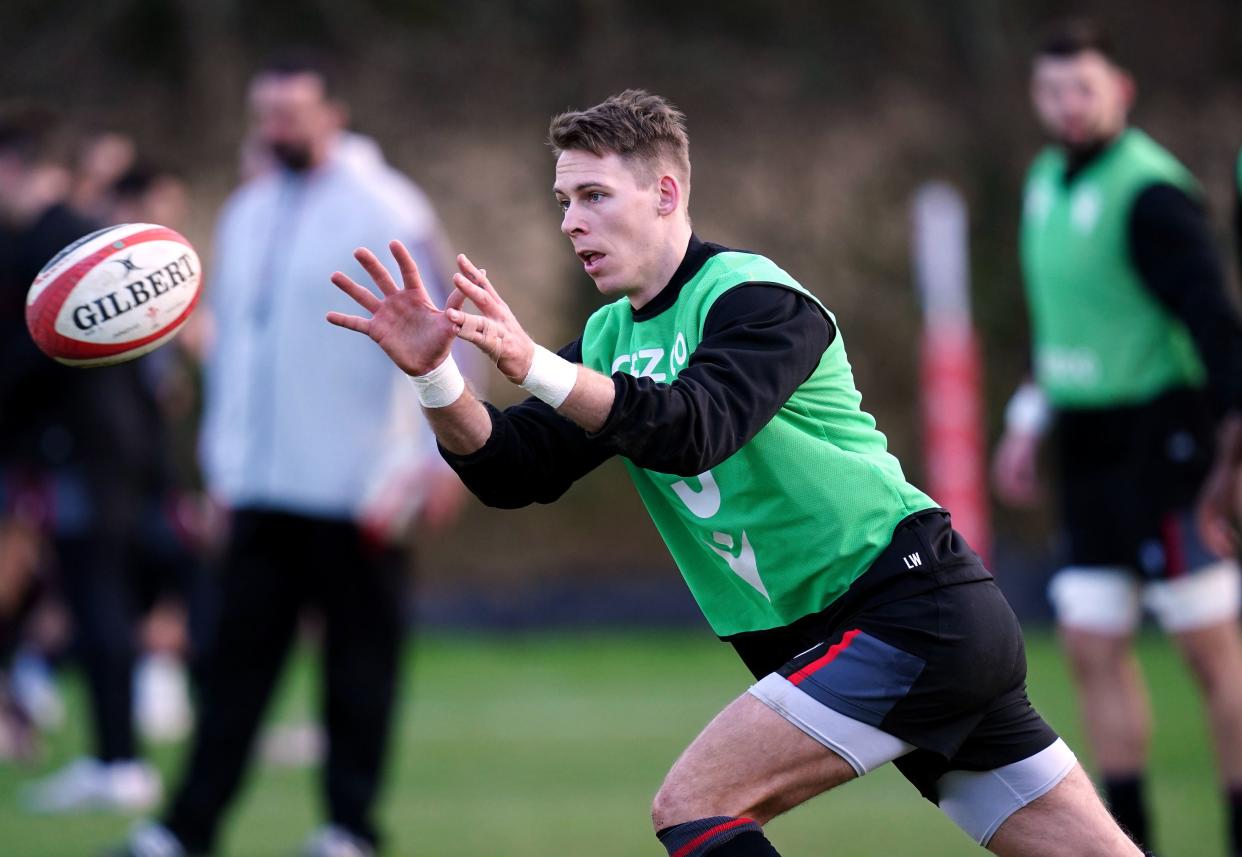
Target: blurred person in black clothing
{"x":75,"y":463}
{"x":148,"y":193}
{"x":172,"y":575}
{"x":1138,"y":386}
{"x":102,"y":160}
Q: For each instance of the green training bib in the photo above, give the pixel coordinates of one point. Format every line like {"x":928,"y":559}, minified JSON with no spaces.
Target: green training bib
{"x":1101,"y":338}
{"x":781,"y":528}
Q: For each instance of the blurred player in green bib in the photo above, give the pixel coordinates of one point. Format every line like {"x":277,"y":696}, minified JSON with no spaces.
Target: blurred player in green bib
{"x":1138,"y":365}
{"x":874,"y":632}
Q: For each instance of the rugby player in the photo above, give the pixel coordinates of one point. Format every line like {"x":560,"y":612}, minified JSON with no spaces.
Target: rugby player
{"x":1138,"y":351}
{"x":874,"y":632}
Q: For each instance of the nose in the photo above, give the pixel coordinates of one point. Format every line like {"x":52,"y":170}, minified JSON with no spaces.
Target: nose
{"x":572,"y":222}
{"x":1075,"y":101}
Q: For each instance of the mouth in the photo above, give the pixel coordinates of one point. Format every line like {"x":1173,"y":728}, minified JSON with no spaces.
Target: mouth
{"x":591,"y":260}
{"x":1074,"y":128}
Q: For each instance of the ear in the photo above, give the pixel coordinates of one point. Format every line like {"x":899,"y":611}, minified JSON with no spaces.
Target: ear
{"x":338,"y":114}
{"x":669,"y":195}
{"x":1129,"y":89}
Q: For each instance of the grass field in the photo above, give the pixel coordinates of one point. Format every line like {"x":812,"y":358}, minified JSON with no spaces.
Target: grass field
{"x":529,"y":745}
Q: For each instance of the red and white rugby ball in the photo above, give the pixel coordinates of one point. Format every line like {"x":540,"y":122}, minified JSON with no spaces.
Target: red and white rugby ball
{"x":114,"y":295}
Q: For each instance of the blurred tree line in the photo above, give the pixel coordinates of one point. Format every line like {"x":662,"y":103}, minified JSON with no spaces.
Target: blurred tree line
{"x":812,"y":122}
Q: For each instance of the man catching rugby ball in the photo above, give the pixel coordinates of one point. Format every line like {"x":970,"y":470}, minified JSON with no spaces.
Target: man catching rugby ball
{"x":874,"y":632}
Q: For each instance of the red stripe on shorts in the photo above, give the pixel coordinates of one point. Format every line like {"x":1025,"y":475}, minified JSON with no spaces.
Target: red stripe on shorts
{"x":1174,"y":553}
{"x":824,"y":659}
{"x":707,"y":835}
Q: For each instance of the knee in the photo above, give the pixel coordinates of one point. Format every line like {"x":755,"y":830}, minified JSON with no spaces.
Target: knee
{"x":679,"y":801}
{"x":1203,"y":669}
{"x":1215,"y":674}
{"x":670,"y":806}
{"x":1214,"y":656}
{"x":1093,"y":655}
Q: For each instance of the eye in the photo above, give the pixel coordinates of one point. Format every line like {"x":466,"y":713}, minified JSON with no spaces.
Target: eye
{"x":563,"y":204}
{"x":595,"y":196}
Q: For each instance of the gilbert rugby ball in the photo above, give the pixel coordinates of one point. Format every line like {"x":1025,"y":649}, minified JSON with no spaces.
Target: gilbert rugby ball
{"x":114,"y":295}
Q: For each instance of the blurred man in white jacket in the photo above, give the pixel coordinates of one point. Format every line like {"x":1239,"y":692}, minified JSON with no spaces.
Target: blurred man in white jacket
{"x":296,"y":414}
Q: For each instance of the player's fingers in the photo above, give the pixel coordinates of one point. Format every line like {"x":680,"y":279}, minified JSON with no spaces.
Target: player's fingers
{"x":364,"y":296}
{"x":469,"y":269}
{"x":1214,"y":529}
{"x":456,"y":300}
{"x":1226,"y":540}
{"x":471,"y":328}
{"x":409,"y":269}
{"x":1219,"y":541}
{"x":352,"y":322}
{"x":375,"y":268}
{"x":476,"y":275}
{"x":482,"y":332}
{"x":481,"y":297}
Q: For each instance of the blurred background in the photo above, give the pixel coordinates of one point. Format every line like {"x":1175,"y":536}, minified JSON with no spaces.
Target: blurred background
{"x":813,"y":124}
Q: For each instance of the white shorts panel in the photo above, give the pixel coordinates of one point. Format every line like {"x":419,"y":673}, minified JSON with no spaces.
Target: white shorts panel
{"x":979,"y":801}
{"x":1205,"y":597}
{"x":862,"y":745}
{"x":1101,"y":599}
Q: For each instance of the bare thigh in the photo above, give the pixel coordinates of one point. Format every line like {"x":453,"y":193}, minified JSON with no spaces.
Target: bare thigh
{"x":1068,"y":821}
{"x":749,"y":762}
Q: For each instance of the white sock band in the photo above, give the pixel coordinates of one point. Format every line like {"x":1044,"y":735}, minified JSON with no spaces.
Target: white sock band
{"x":550,"y":378}
{"x":440,"y":387}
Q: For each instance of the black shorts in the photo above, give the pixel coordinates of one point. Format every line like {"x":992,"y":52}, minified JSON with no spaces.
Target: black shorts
{"x":1128,"y":481}
{"x":932,"y":655}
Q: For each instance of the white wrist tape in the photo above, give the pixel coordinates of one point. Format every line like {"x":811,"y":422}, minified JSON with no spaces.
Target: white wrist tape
{"x":1027,"y":411}
{"x":440,"y":387}
{"x":550,"y":377}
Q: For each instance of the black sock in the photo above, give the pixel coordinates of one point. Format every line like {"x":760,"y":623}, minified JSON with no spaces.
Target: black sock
{"x":1125,"y":800}
{"x":1234,"y":797}
{"x":720,"y":836}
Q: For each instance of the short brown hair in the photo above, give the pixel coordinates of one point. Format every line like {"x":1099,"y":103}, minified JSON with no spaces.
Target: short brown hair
{"x":640,"y":127}
{"x":1069,"y":37}
{"x":34,"y":135}
{"x":296,"y":61}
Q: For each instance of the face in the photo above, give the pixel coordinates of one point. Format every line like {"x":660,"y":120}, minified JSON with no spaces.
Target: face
{"x":27,"y":189}
{"x":12,"y":172}
{"x":292,"y":118}
{"x":165,"y":202}
{"x":1081,"y":100}
{"x":618,"y":225}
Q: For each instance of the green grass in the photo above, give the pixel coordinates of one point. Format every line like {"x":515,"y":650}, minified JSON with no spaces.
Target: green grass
{"x":529,"y":745}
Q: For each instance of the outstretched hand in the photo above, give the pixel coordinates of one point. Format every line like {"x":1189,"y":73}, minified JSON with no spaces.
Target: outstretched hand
{"x":1217,"y":511}
{"x":1014,"y":472}
{"x":405,"y":322}
{"x":495,"y":330}
{"x":1220,"y":500}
